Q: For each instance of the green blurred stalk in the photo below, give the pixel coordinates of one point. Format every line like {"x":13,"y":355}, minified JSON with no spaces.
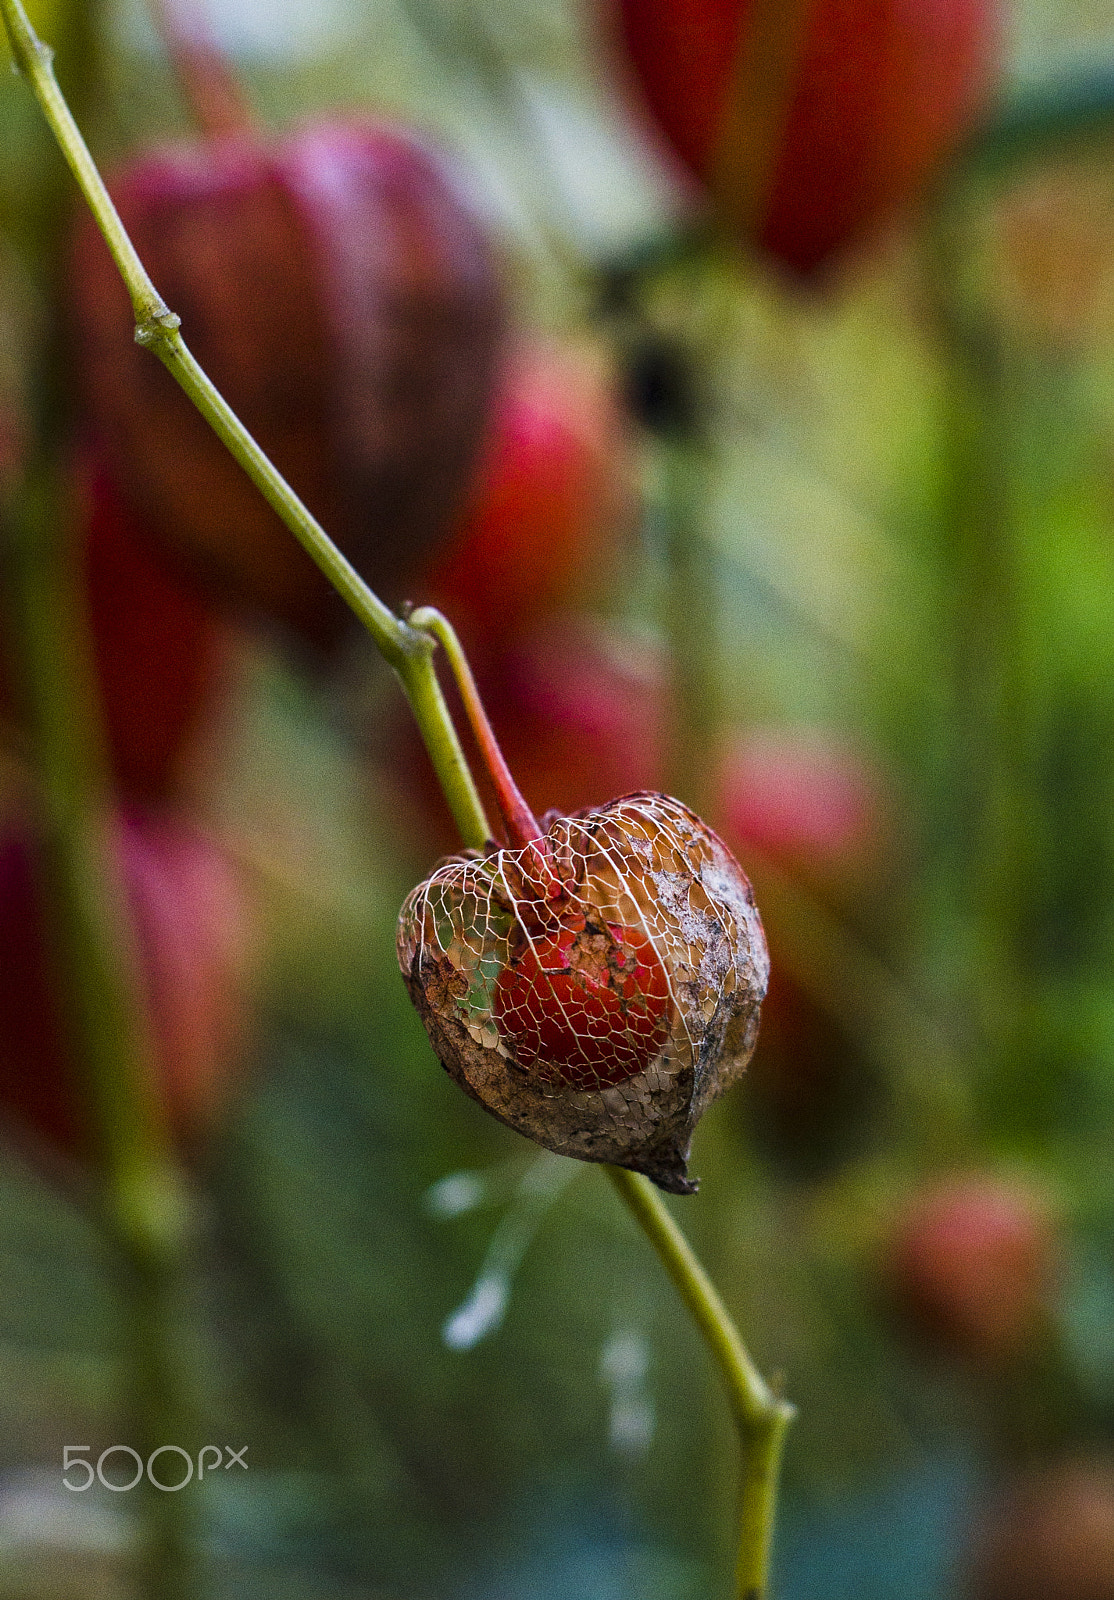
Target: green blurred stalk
{"x":87,"y":920}
{"x":691,"y":619}
{"x":987,"y":840}
{"x":143,"y":1204}
{"x":761,"y":1417}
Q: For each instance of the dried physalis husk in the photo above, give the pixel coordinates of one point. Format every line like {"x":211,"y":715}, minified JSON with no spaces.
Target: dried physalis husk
{"x":342,"y":294}
{"x":597,"y":989}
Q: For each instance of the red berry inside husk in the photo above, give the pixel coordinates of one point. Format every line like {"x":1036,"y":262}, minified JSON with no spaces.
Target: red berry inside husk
{"x":588,"y":1007}
{"x":595,"y":987}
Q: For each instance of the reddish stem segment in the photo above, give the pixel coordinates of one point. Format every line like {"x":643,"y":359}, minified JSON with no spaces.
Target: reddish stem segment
{"x":519,"y":822}
{"x":209,"y":86}
{"x":535,"y":869}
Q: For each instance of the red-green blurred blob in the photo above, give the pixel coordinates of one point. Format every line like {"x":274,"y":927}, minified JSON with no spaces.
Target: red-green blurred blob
{"x":877,"y":93}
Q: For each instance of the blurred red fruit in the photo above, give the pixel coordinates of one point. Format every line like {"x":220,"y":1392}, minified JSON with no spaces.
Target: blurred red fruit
{"x":972,"y":1267}
{"x":808,"y":801}
{"x":342,"y":297}
{"x":161,"y":654}
{"x":193,"y":937}
{"x":579,"y":710}
{"x":876,"y":93}
{"x":554,"y":495}
{"x":1049,"y":1537}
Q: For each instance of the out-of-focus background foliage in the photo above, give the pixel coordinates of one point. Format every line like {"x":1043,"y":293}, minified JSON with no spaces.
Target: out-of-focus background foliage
{"x":461,"y":1373}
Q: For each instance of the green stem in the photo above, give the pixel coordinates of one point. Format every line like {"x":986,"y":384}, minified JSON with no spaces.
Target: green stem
{"x":419,"y":679}
{"x":159,"y":333}
{"x":761,"y":1417}
{"x":143,"y":1196}
{"x":156,"y":327}
{"x":408,"y":650}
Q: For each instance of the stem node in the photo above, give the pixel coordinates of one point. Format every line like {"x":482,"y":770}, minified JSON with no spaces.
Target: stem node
{"x":155,"y":327}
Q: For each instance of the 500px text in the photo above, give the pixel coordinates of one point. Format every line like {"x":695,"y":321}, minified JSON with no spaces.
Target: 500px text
{"x":209,"y":1458}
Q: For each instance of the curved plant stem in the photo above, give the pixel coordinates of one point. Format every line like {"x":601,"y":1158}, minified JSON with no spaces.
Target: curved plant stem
{"x":419,"y":679}
{"x":406,"y":649}
{"x":761,"y":1416}
{"x":521,"y":824}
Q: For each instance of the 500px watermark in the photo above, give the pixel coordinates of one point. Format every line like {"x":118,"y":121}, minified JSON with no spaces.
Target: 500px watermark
{"x":209,"y":1458}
